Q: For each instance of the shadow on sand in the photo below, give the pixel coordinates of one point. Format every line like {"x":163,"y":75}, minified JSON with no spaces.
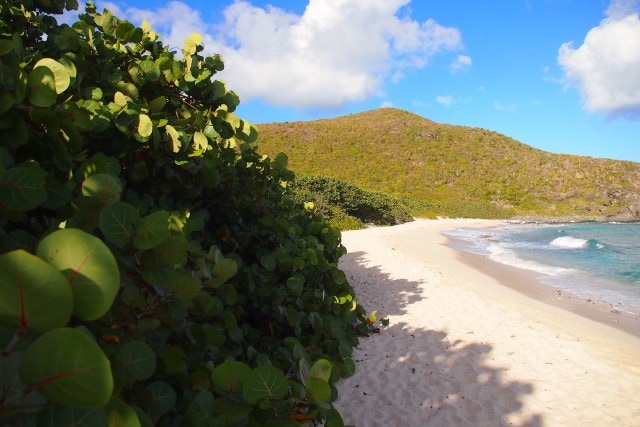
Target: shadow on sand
{"x":410,"y":376}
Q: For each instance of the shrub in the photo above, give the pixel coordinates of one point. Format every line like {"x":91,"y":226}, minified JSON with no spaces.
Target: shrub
{"x":154,"y":270}
{"x":330,"y":194}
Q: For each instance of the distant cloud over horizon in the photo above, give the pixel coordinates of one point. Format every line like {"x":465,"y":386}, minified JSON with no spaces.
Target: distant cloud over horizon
{"x":331,"y":54}
{"x":606,"y":67}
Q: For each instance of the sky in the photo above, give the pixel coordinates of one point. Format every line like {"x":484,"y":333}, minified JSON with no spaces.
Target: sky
{"x":559,"y":75}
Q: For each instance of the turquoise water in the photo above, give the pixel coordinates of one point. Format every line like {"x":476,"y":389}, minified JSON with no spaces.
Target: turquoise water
{"x":597,"y":261}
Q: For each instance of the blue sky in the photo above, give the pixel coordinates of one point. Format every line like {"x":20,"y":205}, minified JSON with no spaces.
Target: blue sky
{"x":559,"y":75}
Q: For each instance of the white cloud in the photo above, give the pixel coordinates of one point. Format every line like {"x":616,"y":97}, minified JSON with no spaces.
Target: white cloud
{"x":446,"y":100}
{"x":606,"y":68}
{"x":462,"y":62}
{"x":504,"y":107}
{"x":387,"y":104}
{"x":335,"y":52}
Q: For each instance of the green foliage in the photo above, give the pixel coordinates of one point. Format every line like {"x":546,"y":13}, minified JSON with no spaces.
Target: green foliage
{"x":155,"y":269}
{"x":338,"y":200}
{"x":455,"y":171}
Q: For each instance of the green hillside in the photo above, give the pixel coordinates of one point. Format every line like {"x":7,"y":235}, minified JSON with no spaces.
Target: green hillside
{"x":406,"y":155}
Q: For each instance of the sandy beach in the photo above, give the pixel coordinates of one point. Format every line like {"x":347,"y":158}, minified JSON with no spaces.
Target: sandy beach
{"x":474,"y":343}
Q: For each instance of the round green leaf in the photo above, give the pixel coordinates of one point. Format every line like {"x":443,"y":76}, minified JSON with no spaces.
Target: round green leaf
{"x":150,"y":70}
{"x":67,"y":62}
{"x":22,"y":189}
{"x":34,"y":295}
{"x":264,"y":383}
{"x":41,"y":87}
{"x":318,"y":390}
{"x":200,"y":410}
{"x":119,"y":414}
{"x":137,"y":359}
{"x":268,"y":262}
{"x":118,"y":221}
{"x":151,"y":230}
{"x":191,"y":43}
{"x":145,"y":127}
{"x":89,"y":266}
{"x":59,"y":71}
{"x":321,"y":370}
{"x":6,"y":102}
{"x":200,"y":141}
{"x":58,"y":194}
{"x":163,"y":396}
{"x":223,"y":270}
{"x":68,"y":368}
{"x":103,"y":186}
{"x":230,"y":376}
{"x":157,"y":104}
{"x":172,"y":249}
{"x":6,"y":46}
{"x":184,"y":286}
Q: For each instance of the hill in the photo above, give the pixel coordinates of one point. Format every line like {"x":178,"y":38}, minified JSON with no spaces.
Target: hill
{"x":406,"y":155}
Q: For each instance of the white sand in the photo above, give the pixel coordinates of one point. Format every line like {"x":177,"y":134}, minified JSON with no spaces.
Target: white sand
{"x":462,"y":349}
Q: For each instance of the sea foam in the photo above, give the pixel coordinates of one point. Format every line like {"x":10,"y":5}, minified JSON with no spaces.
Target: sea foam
{"x":569,"y":242}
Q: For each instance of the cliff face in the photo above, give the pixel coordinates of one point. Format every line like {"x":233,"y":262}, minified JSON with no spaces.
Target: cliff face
{"x":406,"y":155}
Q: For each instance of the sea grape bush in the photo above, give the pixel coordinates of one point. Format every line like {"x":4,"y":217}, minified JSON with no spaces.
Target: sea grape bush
{"x":154,"y":269}
{"x":337,"y":199}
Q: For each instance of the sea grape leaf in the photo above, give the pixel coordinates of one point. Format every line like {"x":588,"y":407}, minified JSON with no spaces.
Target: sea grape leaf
{"x":118,"y":221}
{"x":68,"y":368}
{"x":200,"y":142}
{"x":231,"y":412}
{"x":34,"y":295}
{"x":58,"y":194}
{"x":175,"y":138}
{"x":150,"y":70}
{"x":200,"y":410}
{"x":223,"y":270}
{"x":295,"y":284}
{"x":88,"y":265}
{"x":172,"y":249}
{"x":184,"y":286}
{"x":268,"y":262}
{"x":59,"y":72}
{"x":318,"y":390}
{"x":264,"y":383}
{"x":321,"y":370}
{"x":192,"y":42}
{"x":230,"y":376}
{"x":163,"y":396}
{"x":347,"y":368}
{"x":334,"y":419}
{"x":145,"y":127}
{"x":138,"y":360}
{"x":151,"y":230}
{"x":41,"y":87}
{"x":22,"y":188}
{"x":6,"y":46}
{"x":103,"y":186}
{"x":157,"y":104}
{"x":119,"y":414}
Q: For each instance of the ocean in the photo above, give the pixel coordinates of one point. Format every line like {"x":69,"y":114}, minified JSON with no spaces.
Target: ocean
{"x":596,"y":261}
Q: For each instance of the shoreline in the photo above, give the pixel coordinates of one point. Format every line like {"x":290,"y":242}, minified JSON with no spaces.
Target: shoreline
{"x":462,"y":348}
{"x":522,"y":281}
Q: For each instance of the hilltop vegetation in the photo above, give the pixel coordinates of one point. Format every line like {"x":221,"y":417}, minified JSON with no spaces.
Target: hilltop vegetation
{"x":440,"y":169}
